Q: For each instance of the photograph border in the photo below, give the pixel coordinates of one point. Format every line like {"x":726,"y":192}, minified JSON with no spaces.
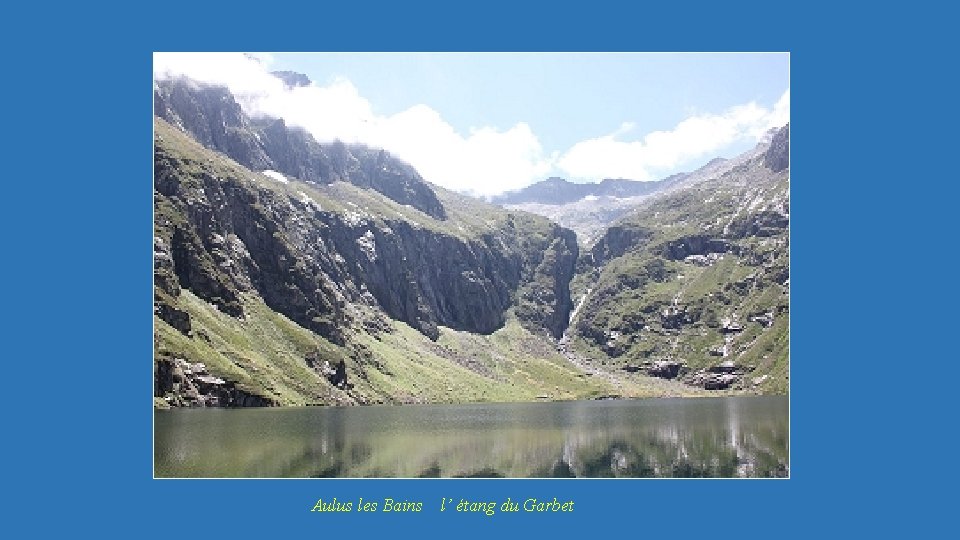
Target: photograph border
{"x":790,"y":326}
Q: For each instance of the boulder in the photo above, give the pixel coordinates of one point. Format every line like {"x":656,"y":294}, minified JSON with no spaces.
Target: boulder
{"x":724,"y":367}
{"x":173,"y":316}
{"x":719,"y":381}
{"x":730,"y":326}
{"x":665,"y":369}
{"x":339,"y":376}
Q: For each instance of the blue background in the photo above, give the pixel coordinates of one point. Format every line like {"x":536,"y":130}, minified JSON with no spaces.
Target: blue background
{"x":872,"y":236}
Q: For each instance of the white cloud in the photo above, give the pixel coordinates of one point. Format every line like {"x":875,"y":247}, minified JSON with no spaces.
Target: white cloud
{"x":698,"y":136}
{"x":781,"y":112}
{"x":244,"y":75}
{"x":484,"y":161}
{"x":264,"y":58}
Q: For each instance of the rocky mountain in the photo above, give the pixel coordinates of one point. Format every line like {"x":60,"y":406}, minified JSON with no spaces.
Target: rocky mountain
{"x":337,"y":245}
{"x":588,"y":209}
{"x":693,"y":284}
{"x":212,"y":116}
{"x":292,"y":79}
{"x":555,"y":190}
{"x":289,"y":271}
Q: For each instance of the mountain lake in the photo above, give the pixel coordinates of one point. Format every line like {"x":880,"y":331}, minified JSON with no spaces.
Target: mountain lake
{"x":665,"y":437}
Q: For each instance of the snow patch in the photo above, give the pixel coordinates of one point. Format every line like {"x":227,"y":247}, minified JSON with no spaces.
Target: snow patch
{"x":354,"y":219}
{"x":274,"y":175}
{"x":308,"y":202}
{"x":368,"y":244}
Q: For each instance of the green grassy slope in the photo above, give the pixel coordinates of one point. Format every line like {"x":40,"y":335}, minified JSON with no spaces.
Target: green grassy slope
{"x":242,"y":340}
{"x":265,"y":353}
{"x":649,"y":301}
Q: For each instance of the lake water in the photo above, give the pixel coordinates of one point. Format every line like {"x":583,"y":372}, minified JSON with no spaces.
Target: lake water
{"x":700,"y":437}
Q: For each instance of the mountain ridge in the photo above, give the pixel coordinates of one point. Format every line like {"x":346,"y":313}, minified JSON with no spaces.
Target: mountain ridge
{"x":344,"y":268}
{"x":604,"y":204}
{"x":289,"y":272}
{"x":212,"y":116}
{"x":556,"y":190}
{"x":693,"y":284}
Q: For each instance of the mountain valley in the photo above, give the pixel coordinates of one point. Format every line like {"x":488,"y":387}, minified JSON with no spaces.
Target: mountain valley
{"x":293,"y":272}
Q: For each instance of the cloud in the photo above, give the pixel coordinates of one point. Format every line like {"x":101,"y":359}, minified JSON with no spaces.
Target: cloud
{"x":265,"y":59}
{"x":485,"y":161}
{"x":781,"y":112}
{"x":244,"y":75}
{"x":698,"y":136}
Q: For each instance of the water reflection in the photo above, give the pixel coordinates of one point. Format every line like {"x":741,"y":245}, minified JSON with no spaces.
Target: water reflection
{"x":722,"y":437}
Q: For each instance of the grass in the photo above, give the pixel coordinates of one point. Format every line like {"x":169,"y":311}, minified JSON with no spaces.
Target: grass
{"x":468,"y":218}
{"x":630,"y":292}
{"x":265,"y":354}
{"x":193,"y":179}
{"x":509,"y":365}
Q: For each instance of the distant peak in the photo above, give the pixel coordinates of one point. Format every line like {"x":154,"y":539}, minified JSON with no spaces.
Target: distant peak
{"x":771,"y":133}
{"x":292,"y":79}
{"x":777,"y":156}
{"x":715,"y":161}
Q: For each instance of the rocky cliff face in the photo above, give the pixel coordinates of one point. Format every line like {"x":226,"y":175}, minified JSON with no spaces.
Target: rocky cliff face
{"x":694,"y":284}
{"x":777,"y":157}
{"x":616,"y":241}
{"x":221,"y":232}
{"x":212,"y":116}
{"x":276,"y":257}
{"x":251,"y":214}
{"x":545,"y":298}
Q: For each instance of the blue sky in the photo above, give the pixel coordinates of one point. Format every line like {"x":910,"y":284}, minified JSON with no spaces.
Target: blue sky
{"x":484,"y":123}
{"x":564,"y":97}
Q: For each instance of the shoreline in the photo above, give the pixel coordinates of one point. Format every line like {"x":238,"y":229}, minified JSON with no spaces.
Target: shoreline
{"x":414,"y":404}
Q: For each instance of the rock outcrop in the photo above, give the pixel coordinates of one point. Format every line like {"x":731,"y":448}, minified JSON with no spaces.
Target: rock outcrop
{"x":228,"y":234}
{"x":616,"y":241}
{"x":212,"y":116}
{"x":696,"y":244}
{"x":184,"y":384}
{"x":777,"y":157}
{"x":669,"y":280}
{"x":292,"y":79}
